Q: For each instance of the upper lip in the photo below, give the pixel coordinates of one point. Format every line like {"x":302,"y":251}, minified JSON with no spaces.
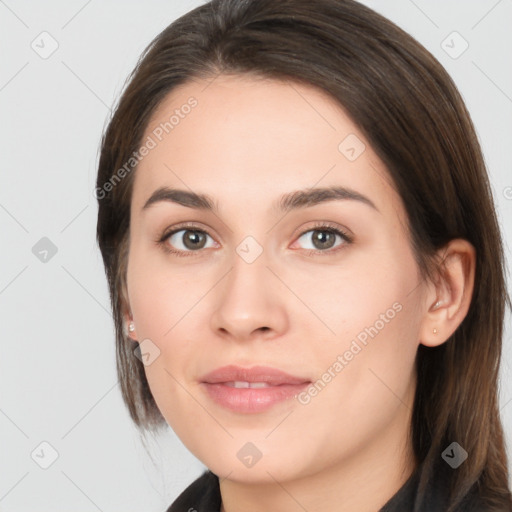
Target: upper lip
{"x":271,"y":376}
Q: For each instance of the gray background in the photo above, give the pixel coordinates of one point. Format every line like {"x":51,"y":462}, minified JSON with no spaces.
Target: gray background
{"x":57,"y":368}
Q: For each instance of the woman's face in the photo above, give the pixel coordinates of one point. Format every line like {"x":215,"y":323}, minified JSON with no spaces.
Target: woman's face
{"x":258,"y":280}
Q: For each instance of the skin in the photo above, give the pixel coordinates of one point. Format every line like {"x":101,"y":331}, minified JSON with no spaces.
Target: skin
{"x":245,"y":144}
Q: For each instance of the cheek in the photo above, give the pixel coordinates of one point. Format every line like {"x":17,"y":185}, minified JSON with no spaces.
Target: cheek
{"x":366,"y":295}
{"x":162,"y":296}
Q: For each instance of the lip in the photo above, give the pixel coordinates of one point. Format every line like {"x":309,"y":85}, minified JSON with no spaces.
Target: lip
{"x":281,"y":386}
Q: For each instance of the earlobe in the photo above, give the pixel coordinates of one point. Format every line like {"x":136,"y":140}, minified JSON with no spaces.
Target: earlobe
{"x":129,"y":327}
{"x":449,"y":301}
{"x":128,"y":323}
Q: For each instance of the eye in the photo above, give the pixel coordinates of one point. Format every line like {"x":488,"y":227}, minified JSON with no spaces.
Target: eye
{"x":186,"y":240}
{"x":323,"y":237}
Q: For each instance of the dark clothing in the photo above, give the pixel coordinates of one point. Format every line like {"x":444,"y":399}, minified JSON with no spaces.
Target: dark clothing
{"x":203,"y":495}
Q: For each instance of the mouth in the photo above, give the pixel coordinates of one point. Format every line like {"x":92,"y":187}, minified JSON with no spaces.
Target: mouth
{"x":251,"y":390}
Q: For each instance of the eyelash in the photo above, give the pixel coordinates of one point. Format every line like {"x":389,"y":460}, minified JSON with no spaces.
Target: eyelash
{"x":321,"y":226}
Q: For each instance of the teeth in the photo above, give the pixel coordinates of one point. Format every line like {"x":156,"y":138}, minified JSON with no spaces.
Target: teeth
{"x":258,"y":385}
{"x":243,"y":384}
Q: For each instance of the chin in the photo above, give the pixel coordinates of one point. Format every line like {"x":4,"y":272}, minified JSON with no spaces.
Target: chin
{"x":265,"y":470}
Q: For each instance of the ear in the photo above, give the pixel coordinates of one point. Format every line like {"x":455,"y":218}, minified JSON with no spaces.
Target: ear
{"x":448,"y":301}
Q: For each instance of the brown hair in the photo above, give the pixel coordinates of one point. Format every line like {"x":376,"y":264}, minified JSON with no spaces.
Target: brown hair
{"x":409,"y":109}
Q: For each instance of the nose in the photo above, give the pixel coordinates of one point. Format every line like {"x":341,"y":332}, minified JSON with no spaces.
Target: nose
{"x":250,"y":302}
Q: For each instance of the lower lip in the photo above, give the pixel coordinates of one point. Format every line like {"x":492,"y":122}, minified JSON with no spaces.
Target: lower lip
{"x":250,"y":400}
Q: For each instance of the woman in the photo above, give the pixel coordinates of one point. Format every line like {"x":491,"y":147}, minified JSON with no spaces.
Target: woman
{"x":304,"y":261}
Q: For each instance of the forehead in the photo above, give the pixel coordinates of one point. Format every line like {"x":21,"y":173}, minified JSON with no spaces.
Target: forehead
{"x":247,"y":140}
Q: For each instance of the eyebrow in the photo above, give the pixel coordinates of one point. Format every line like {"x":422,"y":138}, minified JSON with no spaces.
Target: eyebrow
{"x":291,"y":201}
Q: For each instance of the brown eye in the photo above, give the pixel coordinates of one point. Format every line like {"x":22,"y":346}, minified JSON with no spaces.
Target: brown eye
{"x":188,"y":239}
{"x":323,"y":239}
